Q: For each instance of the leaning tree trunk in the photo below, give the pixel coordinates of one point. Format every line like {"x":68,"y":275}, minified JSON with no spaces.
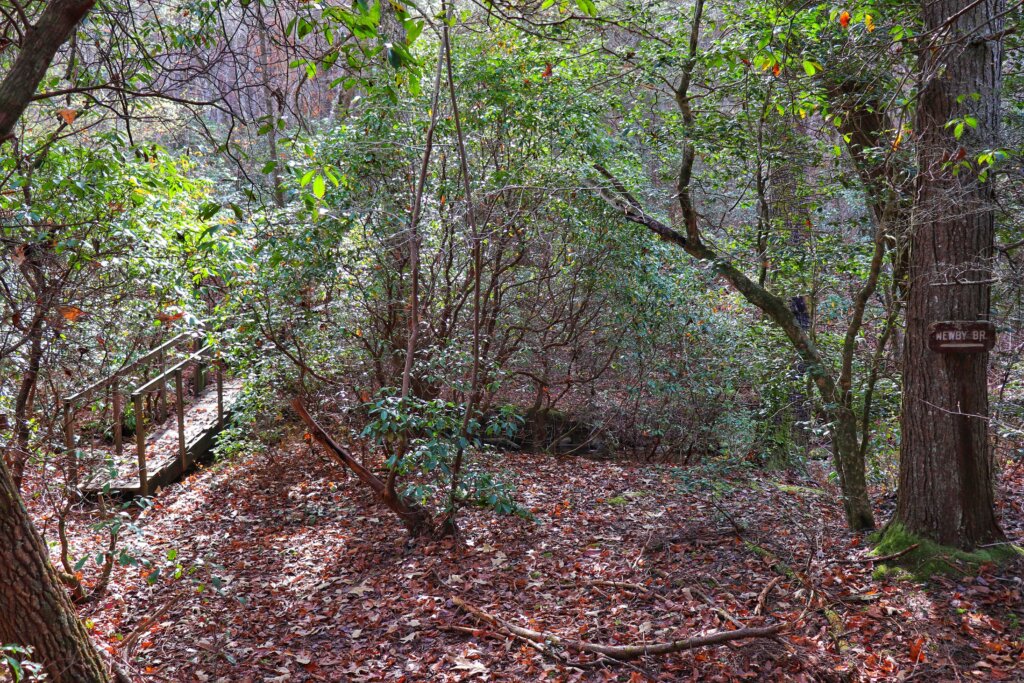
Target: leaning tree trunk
{"x":38,"y":47}
{"x":945,"y":491}
{"x":35,"y":609}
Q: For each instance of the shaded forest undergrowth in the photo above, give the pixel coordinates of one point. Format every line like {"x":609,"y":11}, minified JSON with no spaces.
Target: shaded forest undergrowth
{"x":289,"y":572}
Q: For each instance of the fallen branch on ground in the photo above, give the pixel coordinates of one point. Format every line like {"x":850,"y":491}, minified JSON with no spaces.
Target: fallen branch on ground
{"x":604,"y":583}
{"x":619,"y":652}
{"x":763,"y":597}
{"x":883,"y":558}
{"x":144,"y":625}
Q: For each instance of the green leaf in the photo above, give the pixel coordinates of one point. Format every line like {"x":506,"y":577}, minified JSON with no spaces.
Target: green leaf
{"x":207,"y":210}
{"x":319,"y":187}
{"x":809,"y":68}
{"x":413,"y":29}
{"x":588,"y":7}
{"x":394,"y":59}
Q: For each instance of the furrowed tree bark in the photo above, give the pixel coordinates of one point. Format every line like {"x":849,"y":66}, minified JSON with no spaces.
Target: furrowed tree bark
{"x":35,"y":610}
{"x":848,"y":458}
{"x":946,"y":470}
{"x":42,"y":40}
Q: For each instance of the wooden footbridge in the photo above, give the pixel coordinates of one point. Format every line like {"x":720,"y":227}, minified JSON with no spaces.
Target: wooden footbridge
{"x":171,"y":430}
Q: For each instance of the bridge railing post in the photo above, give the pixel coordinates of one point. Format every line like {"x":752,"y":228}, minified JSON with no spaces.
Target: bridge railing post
{"x":200,"y":376}
{"x":140,"y":444}
{"x":162,"y":360}
{"x":69,"y":441}
{"x":115,"y":389}
{"x":179,"y":395}
{"x":220,"y":393}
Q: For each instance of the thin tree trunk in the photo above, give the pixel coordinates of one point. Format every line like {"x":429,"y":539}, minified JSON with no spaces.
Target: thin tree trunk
{"x":946,"y":470}
{"x":474,"y":391}
{"x":18,"y":451}
{"x":848,"y":460}
{"x":274,"y":105}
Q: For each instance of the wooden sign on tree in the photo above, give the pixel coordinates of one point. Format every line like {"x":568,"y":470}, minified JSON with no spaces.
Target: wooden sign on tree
{"x":961,"y":336}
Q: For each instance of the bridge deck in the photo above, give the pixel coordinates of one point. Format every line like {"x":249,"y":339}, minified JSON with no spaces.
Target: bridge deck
{"x":163,"y":459}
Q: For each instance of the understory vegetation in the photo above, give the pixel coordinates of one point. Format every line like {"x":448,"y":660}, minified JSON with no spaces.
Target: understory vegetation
{"x":520,"y":341}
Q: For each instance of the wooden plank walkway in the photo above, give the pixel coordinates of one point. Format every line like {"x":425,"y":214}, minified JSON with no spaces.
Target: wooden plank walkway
{"x":163,"y":456}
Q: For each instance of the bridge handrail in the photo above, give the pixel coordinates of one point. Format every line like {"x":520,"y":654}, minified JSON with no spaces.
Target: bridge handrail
{"x":136,"y":396}
{"x":157,"y":381}
{"x":124,"y":369}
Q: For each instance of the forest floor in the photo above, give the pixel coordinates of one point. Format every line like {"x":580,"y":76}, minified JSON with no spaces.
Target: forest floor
{"x":319,"y":584}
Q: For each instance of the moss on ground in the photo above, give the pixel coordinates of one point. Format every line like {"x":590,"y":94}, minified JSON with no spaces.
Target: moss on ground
{"x":930,"y":558}
{"x":790,"y":488}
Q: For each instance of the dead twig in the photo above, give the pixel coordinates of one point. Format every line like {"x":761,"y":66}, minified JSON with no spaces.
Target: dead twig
{"x":617,"y":652}
{"x":721,"y":611}
{"x":763,"y":597}
{"x":883,"y":558}
{"x":145,"y":624}
{"x":604,"y":583}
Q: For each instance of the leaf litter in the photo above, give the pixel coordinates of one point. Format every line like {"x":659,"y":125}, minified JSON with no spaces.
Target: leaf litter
{"x":316,"y":585}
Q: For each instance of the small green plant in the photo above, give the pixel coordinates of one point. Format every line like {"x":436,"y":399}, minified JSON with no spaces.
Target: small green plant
{"x":18,"y":660}
{"x":422,"y":440}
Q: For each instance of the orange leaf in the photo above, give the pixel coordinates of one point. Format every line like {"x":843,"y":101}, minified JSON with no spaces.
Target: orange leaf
{"x":844,"y":19}
{"x":916,"y":647}
{"x":776,"y":69}
{"x":547,"y":71}
{"x":69,"y":115}
{"x":71,"y":313}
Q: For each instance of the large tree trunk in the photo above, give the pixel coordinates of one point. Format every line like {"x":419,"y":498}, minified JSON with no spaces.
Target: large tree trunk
{"x":946,"y":491}
{"x":35,"y":610}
